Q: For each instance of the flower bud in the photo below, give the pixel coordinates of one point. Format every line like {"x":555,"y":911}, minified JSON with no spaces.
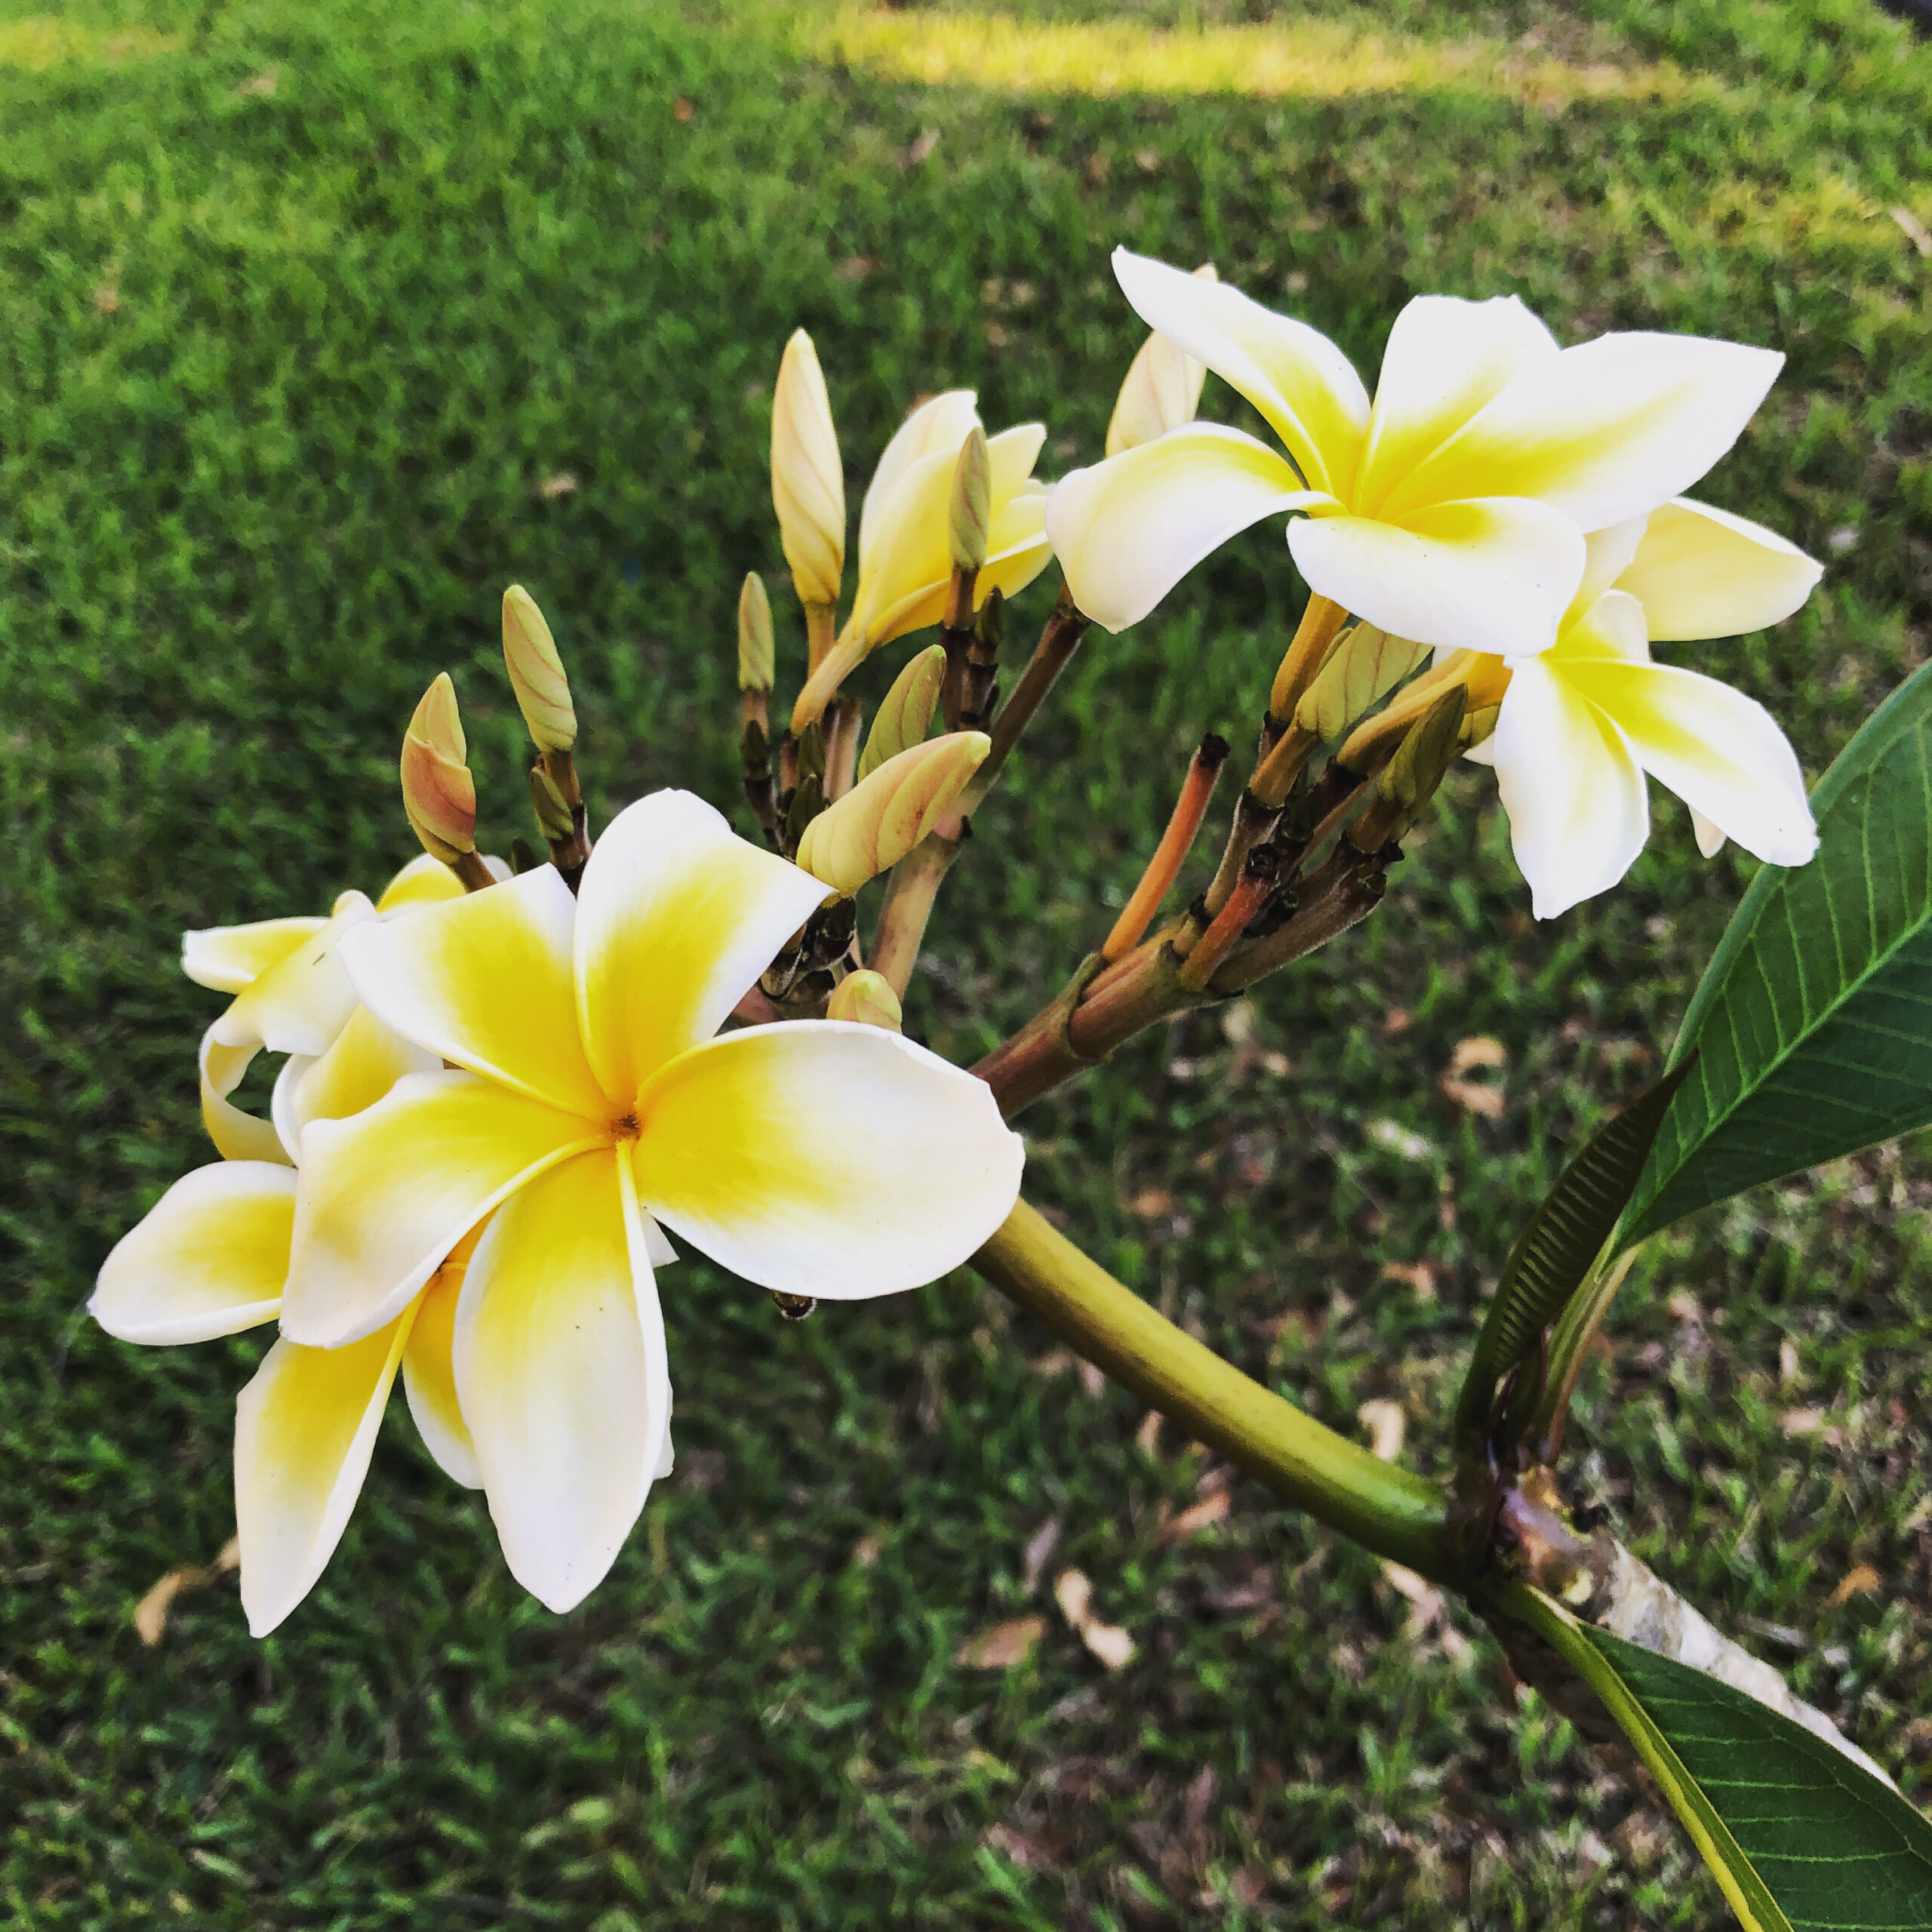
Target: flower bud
{"x":537,"y":673}
{"x":552,"y":809}
{"x":906,"y":714}
{"x":757,"y":657}
{"x":1161,"y":392}
{"x":882,"y":817}
{"x":868,"y":997}
{"x":970,"y":517}
{"x":807,"y":479}
{"x":437,"y":791}
{"x":1364,"y":665}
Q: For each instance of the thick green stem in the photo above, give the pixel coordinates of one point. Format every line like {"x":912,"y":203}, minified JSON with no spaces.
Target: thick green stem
{"x":1387,"y":1509}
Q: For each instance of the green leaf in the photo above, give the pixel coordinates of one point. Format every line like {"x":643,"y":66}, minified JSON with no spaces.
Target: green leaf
{"x":1800,"y":1839}
{"x":1813,"y":1024}
{"x":1557,"y":1250}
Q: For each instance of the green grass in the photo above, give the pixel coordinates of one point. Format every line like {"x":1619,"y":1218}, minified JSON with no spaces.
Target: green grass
{"x":284,"y":363}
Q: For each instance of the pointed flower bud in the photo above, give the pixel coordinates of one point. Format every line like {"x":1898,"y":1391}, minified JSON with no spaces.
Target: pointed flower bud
{"x":807,"y":479}
{"x":758,"y":658}
{"x":905,"y":716}
{"x":972,"y":510}
{"x":867,"y":997}
{"x":882,"y":817}
{"x":437,"y":791}
{"x":553,"y":812}
{"x":1365,"y":665}
{"x":1161,"y":392}
{"x":537,"y":673}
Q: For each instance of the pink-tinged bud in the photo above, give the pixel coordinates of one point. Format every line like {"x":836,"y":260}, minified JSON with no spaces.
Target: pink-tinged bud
{"x":758,"y":653}
{"x":437,"y":791}
{"x":807,"y":479}
{"x":869,"y":830}
{"x":537,"y":673}
{"x":906,"y":714}
{"x":868,"y":999}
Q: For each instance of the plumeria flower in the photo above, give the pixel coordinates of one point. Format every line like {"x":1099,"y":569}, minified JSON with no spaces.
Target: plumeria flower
{"x":1451,"y":509}
{"x":905,"y":561}
{"x":1582,"y":724}
{"x":590,"y":1104}
{"x":211,"y":1259}
{"x":292,"y":995}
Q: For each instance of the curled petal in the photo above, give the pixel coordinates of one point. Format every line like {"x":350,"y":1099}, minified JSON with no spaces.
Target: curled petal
{"x":1720,"y":752}
{"x":1446,"y":359}
{"x":1700,"y":572}
{"x":1304,"y":386}
{"x":560,"y":1363}
{"x":366,"y":1061}
{"x":304,"y":1430}
{"x":877,"y":823}
{"x":1578,"y":815}
{"x":228,"y":959}
{"x":1162,"y":390}
{"x":825,"y":1158}
{"x":428,"y":1376}
{"x":237,"y":1135}
{"x":1604,"y":431}
{"x":484,"y":981}
{"x":387,"y":1194}
{"x":1606,"y":555}
{"x":208,"y":1259}
{"x":1128,"y":529}
{"x":298,"y":1005}
{"x":676,"y":918}
{"x":1490,"y":576}
{"x":423,"y":881}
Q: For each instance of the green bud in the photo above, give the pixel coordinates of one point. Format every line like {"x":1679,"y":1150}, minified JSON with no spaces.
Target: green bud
{"x":972,"y":516}
{"x":757,"y":653}
{"x":906,"y":714}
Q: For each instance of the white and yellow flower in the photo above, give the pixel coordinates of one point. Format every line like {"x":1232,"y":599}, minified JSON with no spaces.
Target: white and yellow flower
{"x":211,"y":1259}
{"x":1582,"y":725}
{"x":590,"y":1104}
{"x":1450,"y":510}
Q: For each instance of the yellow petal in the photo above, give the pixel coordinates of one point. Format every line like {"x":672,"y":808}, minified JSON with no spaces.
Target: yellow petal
{"x":484,"y":981}
{"x":938,"y":426}
{"x":208,"y":1259}
{"x":1128,"y":529}
{"x":423,"y":881}
{"x":367,"y":1059}
{"x":825,"y":1158}
{"x":429,"y":1379}
{"x":1604,"y":432}
{"x":304,"y":1430}
{"x":1578,"y":815}
{"x":237,"y":1135}
{"x":1700,"y":572}
{"x":907,"y":556}
{"x":387,"y":1194}
{"x":1446,"y":359}
{"x":560,"y":1363}
{"x":1306,"y":389}
{"x":228,"y":959}
{"x":1493,"y":576}
{"x":676,"y":918}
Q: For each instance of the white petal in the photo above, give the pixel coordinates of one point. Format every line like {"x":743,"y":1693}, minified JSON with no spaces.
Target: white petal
{"x":1304,"y":386}
{"x":227,"y":959}
{"x":825,"y":1158}
{"x":1606,"y":555}
{"x":1128,"y":529}
{"x":209,"y":1258}
{"x":1710,"y":837}
{"x":1720,"y":752}
{"x":1603,"y":432}
{"x":1161,"y":392}
{"x":1578,"y":815}
{"x":676,"y":918}
{"x":1491,"y":577}
{"x":298,"y":1005}
{"x":484,"y":981}
{"x":386,"y":1194}
{"x":1701,"y":572}
{"x":1446,"y":359}
{"x":304,"y":1430}
{"x":237,"y":1135}
{"x":560,"y":1365}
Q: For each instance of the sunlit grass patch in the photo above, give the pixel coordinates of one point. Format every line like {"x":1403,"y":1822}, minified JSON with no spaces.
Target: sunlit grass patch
{"x":45,"y":40}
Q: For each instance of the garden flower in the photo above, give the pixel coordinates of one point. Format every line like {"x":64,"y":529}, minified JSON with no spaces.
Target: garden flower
{"x":211,"y":1259}
{"x":590,"y":1104}
{"x":1581,"y":724}
{"x":1161,"y":391}
{"x":1451,"y":509}
{"x":292,"y":995}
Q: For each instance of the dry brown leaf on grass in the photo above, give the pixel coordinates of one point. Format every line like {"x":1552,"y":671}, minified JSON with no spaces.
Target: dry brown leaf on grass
{"x":1040,"y":1547}
{"x":1202,"y":1515}
{"x":563,"y":484}
{"x":1419,"y":1276}
{"x":1001,"y":1646}
{"x":1075,"y":1595}
{"x":1475,"y":1096}
{"x":151,"y":1613}
{"x":1480,"y":1051}
{"x":1385,"y":1424}
{"x":1860,"y":1580}
{"x":259,"y":87}
{"x":1147,"y":1437}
